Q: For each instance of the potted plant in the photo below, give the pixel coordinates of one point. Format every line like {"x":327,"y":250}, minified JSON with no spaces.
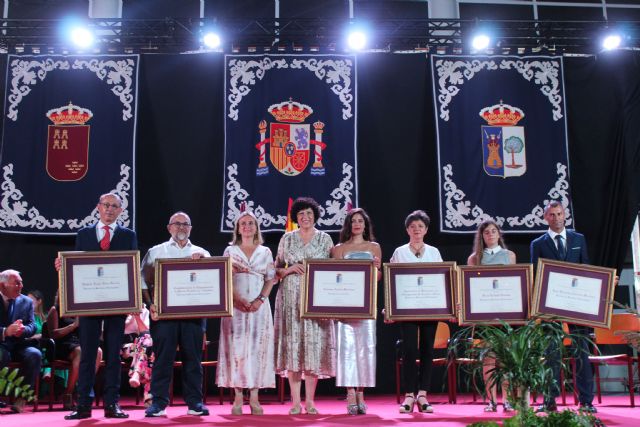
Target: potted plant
{"x":12,"y":385}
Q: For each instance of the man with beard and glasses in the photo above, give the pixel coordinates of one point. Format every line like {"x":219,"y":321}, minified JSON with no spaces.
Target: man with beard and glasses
{"x":167,"y":335}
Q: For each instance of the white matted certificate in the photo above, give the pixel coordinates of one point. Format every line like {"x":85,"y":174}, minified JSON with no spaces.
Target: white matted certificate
{"x":193,"y":288}
{"x":415,"y":291}
{"x":187,"y":288}
{"x":573,"y":293}
{"x":495,"y":294}
{"x":339,"y":288}
{"x":100,"y":283}
{"x":581,"y":294}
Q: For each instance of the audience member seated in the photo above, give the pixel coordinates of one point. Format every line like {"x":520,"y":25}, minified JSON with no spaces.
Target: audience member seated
{"x":64,"y":331}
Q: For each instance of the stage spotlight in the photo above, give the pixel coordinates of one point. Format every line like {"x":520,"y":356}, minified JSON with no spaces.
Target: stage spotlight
{"x":357,"y":40}
{"x":612,"y":41}
{"x":211,"y":40}
{"x":480,"y":42}
{"x":81,"y":37}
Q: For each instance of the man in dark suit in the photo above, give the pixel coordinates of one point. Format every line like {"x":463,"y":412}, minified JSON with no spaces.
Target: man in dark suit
{"x":561,"y":244}
{"x":106,"y":235}
{"x":16,"y":326}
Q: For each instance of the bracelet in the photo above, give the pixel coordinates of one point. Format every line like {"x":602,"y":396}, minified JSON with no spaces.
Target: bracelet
{"x":262,"y":298}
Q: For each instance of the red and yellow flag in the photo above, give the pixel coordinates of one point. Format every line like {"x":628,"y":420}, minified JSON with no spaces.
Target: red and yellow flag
{"x":290,"y":224}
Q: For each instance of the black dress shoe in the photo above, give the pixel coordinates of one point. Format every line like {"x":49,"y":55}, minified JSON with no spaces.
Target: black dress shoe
{"x":79,"y":414}
{"x":114,"y":411}
{"x":588,"y":407}
{"x":548,"y":407}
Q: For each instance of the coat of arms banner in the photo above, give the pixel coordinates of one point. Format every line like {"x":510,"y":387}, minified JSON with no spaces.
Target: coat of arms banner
{"x":68,"y":136}
{"x":502,"y":140}
{"x":290,"y":131}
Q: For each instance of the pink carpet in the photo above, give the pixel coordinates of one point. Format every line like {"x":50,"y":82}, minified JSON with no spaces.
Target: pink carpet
{"x":383,"y":411}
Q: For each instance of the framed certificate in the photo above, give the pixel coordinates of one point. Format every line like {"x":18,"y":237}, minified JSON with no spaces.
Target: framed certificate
{"x":419,"y":291}
{"x":339,"y":289}
{"x":99,"y":283}
{"x":581,"y":294}
{"x":189,"y":288}
{"x":490,"y":294}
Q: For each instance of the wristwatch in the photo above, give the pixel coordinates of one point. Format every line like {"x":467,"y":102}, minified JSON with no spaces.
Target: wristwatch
{"x":261,"y":298}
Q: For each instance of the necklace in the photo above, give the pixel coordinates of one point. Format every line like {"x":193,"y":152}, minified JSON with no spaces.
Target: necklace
{"x":417,"y":252}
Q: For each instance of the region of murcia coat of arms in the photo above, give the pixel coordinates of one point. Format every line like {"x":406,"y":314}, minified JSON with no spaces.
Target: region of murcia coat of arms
{"x":290,"y":141}
{"x":68,"y":143}
{"x":503,"y":147}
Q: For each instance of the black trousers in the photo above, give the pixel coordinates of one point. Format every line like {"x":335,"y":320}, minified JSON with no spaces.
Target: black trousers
{"x":584,"y":373}
{"x":113,"y":331}
{"x":414,"y":379}
{"x":167,"y":335}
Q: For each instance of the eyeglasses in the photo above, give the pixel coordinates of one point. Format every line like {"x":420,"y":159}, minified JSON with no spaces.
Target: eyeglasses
{"x":110,"y":205}
{"x":180,"y":224}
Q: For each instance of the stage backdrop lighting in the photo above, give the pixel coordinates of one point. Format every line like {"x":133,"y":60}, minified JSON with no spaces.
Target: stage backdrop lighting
{"x":81,"y":37}
{"x":480,"y":42}
{"x":612,"y":41}
{"x":211,"y":40}
{"x":357,"y":40}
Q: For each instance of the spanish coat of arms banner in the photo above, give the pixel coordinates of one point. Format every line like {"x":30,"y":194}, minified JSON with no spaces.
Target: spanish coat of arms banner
{"x":290,"y":131}
{"x":502,"y":140}
{"x":68,"y":137}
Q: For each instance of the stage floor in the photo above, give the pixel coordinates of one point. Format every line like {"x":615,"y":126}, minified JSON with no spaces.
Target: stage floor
{"x":383,"y":411}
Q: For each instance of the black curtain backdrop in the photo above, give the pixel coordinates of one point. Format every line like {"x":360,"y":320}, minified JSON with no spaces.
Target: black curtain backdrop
{"x":180,"y":139}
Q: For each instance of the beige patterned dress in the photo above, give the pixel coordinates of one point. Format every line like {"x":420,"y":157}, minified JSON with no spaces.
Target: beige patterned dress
{"x":302,"y":345}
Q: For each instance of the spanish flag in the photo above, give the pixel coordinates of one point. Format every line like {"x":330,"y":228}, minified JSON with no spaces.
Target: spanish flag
{"x":290,"y":224}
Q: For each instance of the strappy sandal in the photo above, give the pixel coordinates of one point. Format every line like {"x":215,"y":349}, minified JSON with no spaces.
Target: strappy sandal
{"x":362,"y":407}
{"x":491,"y":407}
{"x":407,"y":405}
{"x":424,"y":406}
{"x":506,"y":407}
{"x":311,"y":410}
{"x":295,"y":410}
{"x":352,"y":408}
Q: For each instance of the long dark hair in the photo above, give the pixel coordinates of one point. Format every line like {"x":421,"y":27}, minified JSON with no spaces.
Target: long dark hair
{"x":38,"y":312}
{"x":345,"y":233}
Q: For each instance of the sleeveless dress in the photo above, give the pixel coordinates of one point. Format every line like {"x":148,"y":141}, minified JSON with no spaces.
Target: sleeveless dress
{"x":302,"y":345}
{"x":245,"y":352}
{"x":356,"y":346}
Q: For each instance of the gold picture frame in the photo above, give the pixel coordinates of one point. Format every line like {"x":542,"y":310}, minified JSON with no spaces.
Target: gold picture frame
{"x":187,"y":288}
{"x":99,"y":283}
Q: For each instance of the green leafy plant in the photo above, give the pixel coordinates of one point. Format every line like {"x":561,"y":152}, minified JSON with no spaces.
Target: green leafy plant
{"x":520,"y":353}
{"x":12,"y":385}
{"x":528,"y":418}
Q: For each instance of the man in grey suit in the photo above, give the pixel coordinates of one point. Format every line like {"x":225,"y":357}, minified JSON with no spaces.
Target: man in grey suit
{"x":561,"y":244}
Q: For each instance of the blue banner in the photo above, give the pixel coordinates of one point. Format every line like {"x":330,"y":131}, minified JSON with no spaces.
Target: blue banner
{"x":502,"y":140}
{"x":68,"y":137}
{"x":290,"y":131}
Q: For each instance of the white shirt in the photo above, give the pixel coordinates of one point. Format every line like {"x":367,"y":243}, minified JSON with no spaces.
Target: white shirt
{"x":405,"y":254}
{"x":100,"y":230}
{"x":169,"y":249}
{"x":494,"y":250}
{"x":553,"y":235}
